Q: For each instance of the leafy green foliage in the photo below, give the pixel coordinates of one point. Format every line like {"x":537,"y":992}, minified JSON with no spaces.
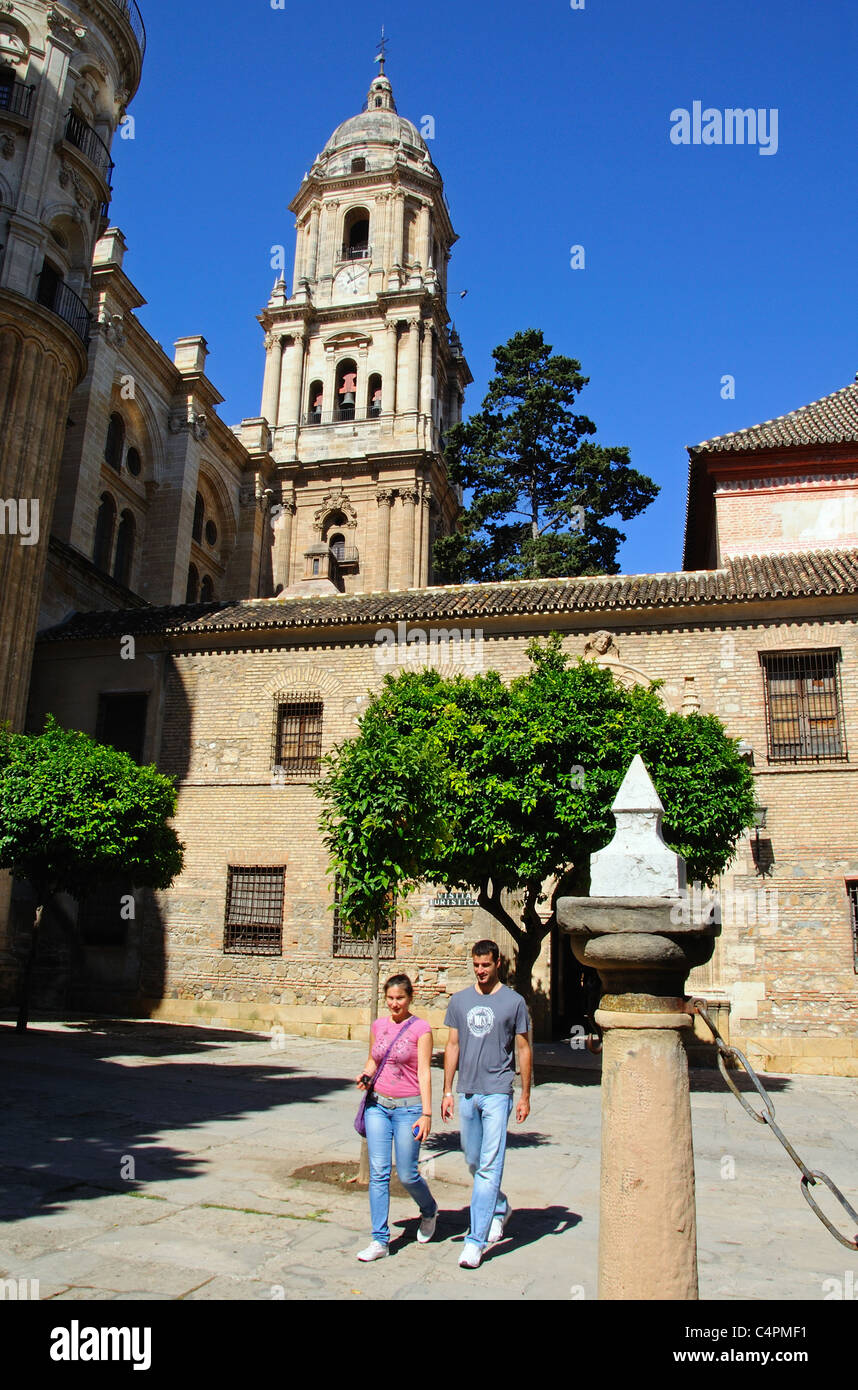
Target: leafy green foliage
{"x":74,"y":812}
{"x":542,"y":491}
{"x":473,"y":783}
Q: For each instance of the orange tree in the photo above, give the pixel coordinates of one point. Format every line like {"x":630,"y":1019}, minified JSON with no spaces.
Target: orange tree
{"x":507,"y":789}
{"x":73,"y":813}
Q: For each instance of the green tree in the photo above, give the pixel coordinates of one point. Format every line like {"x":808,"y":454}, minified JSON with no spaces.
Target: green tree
{"x":507,"y":789}
{"x":74,"y":813}
{"x":542,"y":491}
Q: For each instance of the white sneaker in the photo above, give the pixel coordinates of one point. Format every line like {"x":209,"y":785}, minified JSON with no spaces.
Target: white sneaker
{"x":470,"y":1256}
{"x":426,"y":1229}
{"x":374,"y":1251}
{"x":498,"y":1227}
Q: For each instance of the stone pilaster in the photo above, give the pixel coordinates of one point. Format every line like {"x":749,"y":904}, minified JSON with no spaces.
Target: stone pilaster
{"x":384,"y":498}
{"x":410,"y":498}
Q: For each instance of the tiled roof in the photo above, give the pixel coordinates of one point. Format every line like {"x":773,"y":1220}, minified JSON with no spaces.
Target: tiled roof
{"x":831,"y":420}
{"x":742,"y":579}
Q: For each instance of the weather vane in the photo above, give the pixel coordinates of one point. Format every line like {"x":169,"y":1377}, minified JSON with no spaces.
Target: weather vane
{"x":382,"y":51}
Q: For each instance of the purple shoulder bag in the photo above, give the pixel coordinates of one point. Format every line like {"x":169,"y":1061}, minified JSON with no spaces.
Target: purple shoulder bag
{"x":360,"y":1122}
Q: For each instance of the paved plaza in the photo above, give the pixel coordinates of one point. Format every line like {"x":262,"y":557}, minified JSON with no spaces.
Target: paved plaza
{"x":143,"y":1161}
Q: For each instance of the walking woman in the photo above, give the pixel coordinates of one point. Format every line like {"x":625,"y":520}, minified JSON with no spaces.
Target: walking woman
{"x":398,"y":1112}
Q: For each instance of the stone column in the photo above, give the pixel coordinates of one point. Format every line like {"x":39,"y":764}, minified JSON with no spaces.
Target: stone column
{"x":628,"y":931}
{"x":295,"y":379}
{"x":424,"y":237}
{"x":271,"y":381}
{"x":388,"y":381}
{"x":398,"y":228}
{"x":427,"y":377}
{"x":409,"y":497}
{"x":423,"y":551}
{"x":384,"y":498}
{"x":281,"y":559}
{"x":413,"y":367}
{"x":313,"y":254}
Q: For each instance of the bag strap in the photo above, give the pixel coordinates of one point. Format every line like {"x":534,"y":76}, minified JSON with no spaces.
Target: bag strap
{"x":393,"y":1043}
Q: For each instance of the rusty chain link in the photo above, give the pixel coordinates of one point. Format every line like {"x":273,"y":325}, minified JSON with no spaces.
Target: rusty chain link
{"x":809,"y":1178}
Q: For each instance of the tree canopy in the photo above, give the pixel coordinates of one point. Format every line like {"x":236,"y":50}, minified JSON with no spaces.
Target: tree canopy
{"x":74,"y":812}
{"x":507,"y":789}
{"x":542,"y":490}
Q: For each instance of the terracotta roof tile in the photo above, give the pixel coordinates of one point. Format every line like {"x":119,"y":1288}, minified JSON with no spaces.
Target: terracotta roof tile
{"x":831,"y":420}
{"x":742,"y":578}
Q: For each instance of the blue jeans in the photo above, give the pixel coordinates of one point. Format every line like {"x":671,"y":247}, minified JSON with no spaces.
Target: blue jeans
{"x":483,"y":1121}
{"x":390,"y":1127}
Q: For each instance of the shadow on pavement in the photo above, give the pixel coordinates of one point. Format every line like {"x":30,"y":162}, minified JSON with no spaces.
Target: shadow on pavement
{"x":74,"y":1116}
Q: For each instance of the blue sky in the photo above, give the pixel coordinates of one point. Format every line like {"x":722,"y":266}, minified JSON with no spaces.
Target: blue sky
{"x":552,"y":129}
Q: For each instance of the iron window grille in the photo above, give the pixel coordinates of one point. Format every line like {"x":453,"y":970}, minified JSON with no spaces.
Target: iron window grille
{"x":804,"y":706}
{"x":254,"y":912}
{"x":297,"y":750}
{"x":852,"y":889}
{"x":355,"y":947}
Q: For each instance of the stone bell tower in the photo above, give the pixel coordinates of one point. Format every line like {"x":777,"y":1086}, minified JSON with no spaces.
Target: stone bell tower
{"x":363,"y":373}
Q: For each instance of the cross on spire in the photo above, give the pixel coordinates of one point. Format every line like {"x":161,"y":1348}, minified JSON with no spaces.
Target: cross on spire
{"x":382,"y":52}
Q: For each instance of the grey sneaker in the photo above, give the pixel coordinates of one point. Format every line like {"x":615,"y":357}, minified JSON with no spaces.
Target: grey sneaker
{"x":470,"y":1256}
{"x":498,"y":1227}
{"x":426,"y":1229}
{"x":374,"y":1251}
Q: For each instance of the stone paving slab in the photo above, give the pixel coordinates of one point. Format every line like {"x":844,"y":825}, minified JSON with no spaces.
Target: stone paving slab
{"x":217,"y":1123}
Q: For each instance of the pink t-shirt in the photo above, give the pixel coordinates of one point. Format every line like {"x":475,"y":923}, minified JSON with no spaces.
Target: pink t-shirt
{"x":399,"y":1075}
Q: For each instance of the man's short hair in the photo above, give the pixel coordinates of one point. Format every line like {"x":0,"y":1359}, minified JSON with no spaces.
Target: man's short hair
{"x":486,"y":948}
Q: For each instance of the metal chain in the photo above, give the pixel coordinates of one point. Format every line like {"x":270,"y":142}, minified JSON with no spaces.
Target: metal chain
{"x":809,"y":1178}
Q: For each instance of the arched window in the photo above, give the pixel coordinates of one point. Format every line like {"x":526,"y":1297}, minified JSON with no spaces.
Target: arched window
{"x":337,"y":543}
{"x":346,"y":392}
{"x":358,"y":165}
{"x":199,"y":514}
{"x":373,"y":395}
{"x":124,"y":549}
{"x":115,"y":441}
{"x":193,"y":588}
{"x":356,"y":235}
{"x":206,"y":590}
{"x":315,"y":401}
{"x":133,"y":462}
{"x":104,"y":524}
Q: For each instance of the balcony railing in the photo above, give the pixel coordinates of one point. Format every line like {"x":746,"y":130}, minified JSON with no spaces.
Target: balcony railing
{"x":16,"y":97}
{"x":345,"y":555}
{"x":355,"y":253}
{"x":135,"y":19}
{"x":54,"y":295}
{"x":343,"y":415}
{"x":80,"y":134}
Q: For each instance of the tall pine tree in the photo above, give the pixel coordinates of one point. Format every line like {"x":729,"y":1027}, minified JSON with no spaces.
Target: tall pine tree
{"x":542,"y":491}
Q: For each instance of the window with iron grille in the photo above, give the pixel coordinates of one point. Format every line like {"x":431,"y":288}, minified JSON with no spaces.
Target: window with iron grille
{"x":852,"y":890}
{"x":298,"y":734}
{"x":804,"y":706}
{"x":254,"y":912}
{"x":354,"y":947}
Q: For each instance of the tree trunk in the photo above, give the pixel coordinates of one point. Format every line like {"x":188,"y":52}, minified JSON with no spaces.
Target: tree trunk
{"x":27,"y":977}
{"x":363,"y":1166}
{"x":526,"y":957}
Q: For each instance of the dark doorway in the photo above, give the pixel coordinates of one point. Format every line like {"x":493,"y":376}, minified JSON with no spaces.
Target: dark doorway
{"x":575,"y":989}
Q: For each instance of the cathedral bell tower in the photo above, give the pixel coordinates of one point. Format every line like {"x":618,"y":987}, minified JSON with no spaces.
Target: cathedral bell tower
{"x":363,"y":373}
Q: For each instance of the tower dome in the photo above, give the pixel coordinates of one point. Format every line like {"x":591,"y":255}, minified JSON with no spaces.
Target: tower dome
{"x":380,"y":125}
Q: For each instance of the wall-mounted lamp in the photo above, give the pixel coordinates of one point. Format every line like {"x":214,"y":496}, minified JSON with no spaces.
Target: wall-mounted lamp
{"x":745,"y":751}
{"x":759,"y":821}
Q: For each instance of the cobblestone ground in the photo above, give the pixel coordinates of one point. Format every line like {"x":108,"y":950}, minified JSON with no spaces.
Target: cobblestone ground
{"x":145,"y":1161}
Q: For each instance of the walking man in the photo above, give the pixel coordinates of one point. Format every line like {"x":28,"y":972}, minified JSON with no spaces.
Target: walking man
{"x":484,"y":1021}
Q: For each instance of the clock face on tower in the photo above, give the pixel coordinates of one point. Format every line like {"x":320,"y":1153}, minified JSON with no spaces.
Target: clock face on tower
{"x":352,"y":282}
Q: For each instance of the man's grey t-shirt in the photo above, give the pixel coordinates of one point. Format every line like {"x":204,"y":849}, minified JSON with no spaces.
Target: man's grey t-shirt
{"x":487,"y":1025}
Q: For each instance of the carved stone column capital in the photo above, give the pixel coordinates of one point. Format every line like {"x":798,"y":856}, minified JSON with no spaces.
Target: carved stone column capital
{"x":385,"y":496}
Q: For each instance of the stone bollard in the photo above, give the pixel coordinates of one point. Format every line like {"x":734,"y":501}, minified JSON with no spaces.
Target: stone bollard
{"x":647,"y":1226}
